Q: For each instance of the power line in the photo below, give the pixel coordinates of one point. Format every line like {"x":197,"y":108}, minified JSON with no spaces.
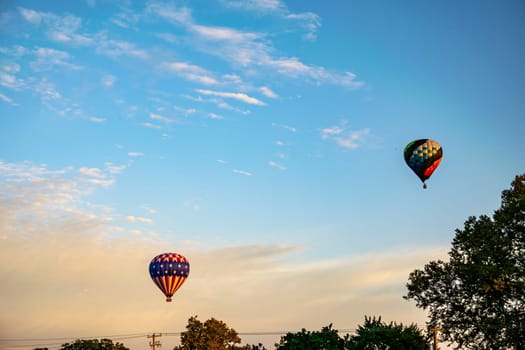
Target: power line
{"x":114,"y":336}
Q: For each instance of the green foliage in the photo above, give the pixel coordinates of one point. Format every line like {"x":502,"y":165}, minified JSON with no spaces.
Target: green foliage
{"x":377,"y":335}
{"x":477,"y":298}
{"x":93,"y":344}
{"x":211,"y":335}
{"x":373,"y":335}
{"x":328,"y":339}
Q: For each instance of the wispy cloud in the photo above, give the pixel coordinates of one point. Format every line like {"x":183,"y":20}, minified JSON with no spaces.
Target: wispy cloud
{"x":108,"y":80}
{"x":115,"y":169}
{"x":151,"y":125}
{"x":190,"y":72}
{"x":96,"y":119}
{"x":276,"y":165}
{"x":345,"y":138}
{"x":118,"y":48}
{"x":47,"y":59}
{"x":59,"y":28}
{"x":161,"y":118}
{"x":250,"y":49}
{"x":233,"y":95}
{"x":220,"y":103}
{"x":242,"y":172}
{"x":266,"y":91}
{"x":140,"y":219}
{"x":10,"y":80}
{"x":286,"y":127}
{"x":67,"y":30}
{"x":171,"y":12}
{"x":8,"y":100}
{"x":308,"y":21}
{"x":29,"y":15}
{"x":92,"y":172}
{"x":135,"y":154}
{"x":45,"y":195}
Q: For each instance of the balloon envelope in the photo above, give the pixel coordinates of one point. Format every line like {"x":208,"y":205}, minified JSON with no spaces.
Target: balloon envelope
{"x":169,"y":271}
{"x":423,"y":157}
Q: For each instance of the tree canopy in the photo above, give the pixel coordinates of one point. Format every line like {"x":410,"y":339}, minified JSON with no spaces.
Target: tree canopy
{"x":212,"y":334}
{"x":326,"y":338}
{"x":378,"y":335}
{"x":477,"y":298}
{"x":374,"y":334}
{"x":93,"y":344}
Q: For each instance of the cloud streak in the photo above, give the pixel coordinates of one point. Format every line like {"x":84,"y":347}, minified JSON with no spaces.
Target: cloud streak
{"x":233,"y":95}
{"x":245,"y":49}
{"x":346,"y":139}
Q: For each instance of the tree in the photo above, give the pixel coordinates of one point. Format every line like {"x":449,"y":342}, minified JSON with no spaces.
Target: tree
{"x":328,"y":338}
{"x":93,"y":344}
{"x":377,"y":335}
{"x":210,"y":335}
{"x":477,"y":298}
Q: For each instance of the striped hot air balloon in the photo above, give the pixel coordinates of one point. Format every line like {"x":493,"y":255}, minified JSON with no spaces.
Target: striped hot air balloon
{"x":423,"y":157}
{"x":169,"y":271}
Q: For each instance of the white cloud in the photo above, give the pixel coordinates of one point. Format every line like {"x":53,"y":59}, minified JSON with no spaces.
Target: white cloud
{"x":242,"y":172}
{"x":171,"y":12}
{"x":97,"y":119}
{"x":168,"y":37}
{"x":29,"y":15}
{"x":215,"y":116}
{"x":7,"y":100}
{"x":286,"y":127}
{"x":256,"y":5}
{"x":233,"y":95}
{"x":151,"y":125}
{"x":135,"y":154}
{"x":186,"y":111}
{"x":59,"y":28}
{"x":92,"y":172}
{"x":276,"y":165}
{"x":139,"y":219}
{"x":331,"y":131}
{"x":224,"y":34}
{"x":115,"y":169}
{"x":10,"y":81}
{"x":126,"y":19}
{"x":101,"y":182}
{"x":108,"y":80}
{"x":149,"y":209}
{"x":348,"y":139}
{"x":161,"y":118}
{"x":266,"y":91}
{"x":118,"y":48}
{"x":308,"y":21}
{"x":253,"y":50}
{"x":191,"y":72}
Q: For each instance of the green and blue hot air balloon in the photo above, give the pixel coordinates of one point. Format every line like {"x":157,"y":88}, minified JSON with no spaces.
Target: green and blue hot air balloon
{"x":423,"y":157}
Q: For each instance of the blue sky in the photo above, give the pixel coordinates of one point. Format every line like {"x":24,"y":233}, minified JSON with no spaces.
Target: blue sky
{"x":264,"y":137}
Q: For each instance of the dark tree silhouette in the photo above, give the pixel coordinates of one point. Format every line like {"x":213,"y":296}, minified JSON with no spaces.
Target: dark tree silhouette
{"x":477,"y":298}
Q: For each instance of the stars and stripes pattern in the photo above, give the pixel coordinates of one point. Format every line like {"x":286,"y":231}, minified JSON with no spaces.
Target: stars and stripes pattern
{"x":169,"y":271}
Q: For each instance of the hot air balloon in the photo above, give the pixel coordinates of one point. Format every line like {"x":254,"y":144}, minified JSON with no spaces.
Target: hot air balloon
{"x":169,"y":271}
{"x":423,"y":157}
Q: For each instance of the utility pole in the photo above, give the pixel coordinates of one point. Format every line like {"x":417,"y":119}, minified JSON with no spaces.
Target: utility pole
{"x":154,"y":343}
{"x":436,"y":330}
